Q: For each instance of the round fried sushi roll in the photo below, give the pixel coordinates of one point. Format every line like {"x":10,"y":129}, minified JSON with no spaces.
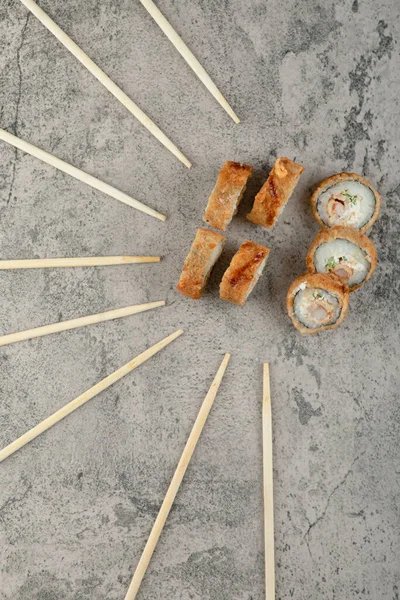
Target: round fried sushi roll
{"x":316,"y":302}
{"x":346,"y":199}
{"x":346,"y":252}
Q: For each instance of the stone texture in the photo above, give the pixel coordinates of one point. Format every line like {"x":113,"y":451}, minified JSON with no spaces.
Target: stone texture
{"x":316,"y":81}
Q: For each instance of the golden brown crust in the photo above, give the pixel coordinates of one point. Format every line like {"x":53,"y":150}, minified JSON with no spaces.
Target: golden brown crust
{"x":198,"y":262}
{"x":328,"y":282}
{"x":346,"y":233}
{"x":338,"y":178}
{"x":241,"y":273}
{"x":275,"y":192}
{"x":227,"y":193}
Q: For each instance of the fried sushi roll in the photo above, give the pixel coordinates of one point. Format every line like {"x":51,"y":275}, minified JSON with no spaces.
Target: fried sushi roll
{"x":345,"y":252}
{"x":346,"y":199}
{"x":316,"y":302}
{"x":276,"y":191}
{"x":225,"y":198}
{"x":204,"y":253}
{"x":243,"y":273}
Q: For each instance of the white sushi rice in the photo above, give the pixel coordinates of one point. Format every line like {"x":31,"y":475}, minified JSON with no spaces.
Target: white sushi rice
{"x":303,"y":301}
{"x":213,"y":259}
{"x":357,"y":213}
{"x":331,"y":253}
{"x":256,"y":276}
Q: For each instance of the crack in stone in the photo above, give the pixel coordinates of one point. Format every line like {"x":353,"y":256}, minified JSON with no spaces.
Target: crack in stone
{"x":14,"y":127}
{"x":311,"y":525}
{"x":23,"y":32}
{"x":14,"y":500}
{"x":12,"y":176}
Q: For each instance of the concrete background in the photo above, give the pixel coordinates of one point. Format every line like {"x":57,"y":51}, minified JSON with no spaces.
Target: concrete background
{"x":316,"y":81}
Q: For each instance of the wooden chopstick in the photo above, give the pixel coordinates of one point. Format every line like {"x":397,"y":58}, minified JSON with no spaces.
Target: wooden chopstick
{"x":176,"y":482}
{"x":29,"y":334}
{"x":85,"y":261}
{"x":104,"y":79}
{"x":268,"y":489}
{"x":93,"y":182}
{"x":188,"y":56}
{"x":88,"y":395}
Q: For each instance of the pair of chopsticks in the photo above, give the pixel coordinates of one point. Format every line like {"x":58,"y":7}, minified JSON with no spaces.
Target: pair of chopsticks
{"x":183,"y":462}
{"x":180,"y":472}
{"x":89,"y":261}
{"x":133,"y":108}
{"x":88,"y":395}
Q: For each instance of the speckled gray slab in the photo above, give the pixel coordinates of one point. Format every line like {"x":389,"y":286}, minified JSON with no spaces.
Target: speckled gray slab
{"x":315,"y":81}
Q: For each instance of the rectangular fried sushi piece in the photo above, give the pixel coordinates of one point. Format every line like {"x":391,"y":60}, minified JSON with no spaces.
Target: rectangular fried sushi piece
{"x":275,"y":192}
{"x":224,"y":201}
{"x":203,"y":255}
{"x":243,"y":273}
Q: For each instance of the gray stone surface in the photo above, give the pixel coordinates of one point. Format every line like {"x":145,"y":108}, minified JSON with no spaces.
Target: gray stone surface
{"x":318,"y":81}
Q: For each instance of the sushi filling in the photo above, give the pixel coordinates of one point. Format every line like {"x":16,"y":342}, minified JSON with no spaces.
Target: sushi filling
{"x":348,"y":203}
{"x":316,"y":308}
{"x":343,"y":271}
{"x":347,"y":260}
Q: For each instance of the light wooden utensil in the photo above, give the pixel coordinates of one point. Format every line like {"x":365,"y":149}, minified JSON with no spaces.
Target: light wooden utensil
{"x":29,"y":334}
{"x":88,"y":395}
{"x":188,"y":56}
{"x":85,"y":261}
{"x":104,"y":79}
{"x":268,"y":489}
{"x":93,"y":182}
{"x":176,"y":482}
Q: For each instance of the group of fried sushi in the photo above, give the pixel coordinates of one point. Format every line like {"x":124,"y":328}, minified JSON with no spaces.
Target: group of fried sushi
{"x":339,"y":261}
{"x":341,"y":258}
{"x":249,"y":261}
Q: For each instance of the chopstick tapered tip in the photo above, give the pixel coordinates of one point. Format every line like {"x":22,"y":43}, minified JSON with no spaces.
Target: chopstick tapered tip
{"x":230,"y":111}
{"x":172,"y":337}
{"x":266,"y":371}
{"x":175,"y":335}
{"x":183,"y":158}
{"x":224,"y":363}
{"x":266,"y":384}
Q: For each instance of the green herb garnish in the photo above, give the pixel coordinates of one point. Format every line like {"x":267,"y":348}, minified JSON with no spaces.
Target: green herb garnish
{"x":353,"y":199}
{"x":342,"y":259}
{"x":317,"y":295}
{"x":331,"y":263}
